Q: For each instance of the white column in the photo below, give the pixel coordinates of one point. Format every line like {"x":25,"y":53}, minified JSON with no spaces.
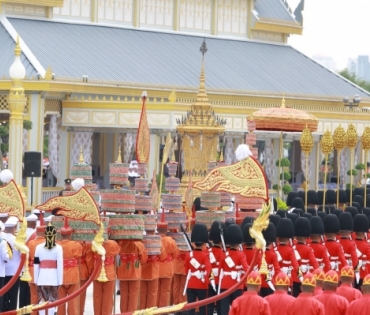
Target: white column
{"x":153,"y":156}
{"x":64,"y":156}
{"x":109,"y":157}
{"x":36,"y":134}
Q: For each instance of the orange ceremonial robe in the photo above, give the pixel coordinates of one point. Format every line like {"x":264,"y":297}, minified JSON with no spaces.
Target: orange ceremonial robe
{"x":170,"y":251}
{"x":72,"y":252}
{"x":33,"y":288}
{"x":132,"y":255}
{"x":279,"y":301}
{"x":103,"y":291}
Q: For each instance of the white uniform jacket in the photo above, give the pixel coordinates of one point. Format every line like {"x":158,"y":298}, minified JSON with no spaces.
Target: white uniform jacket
{"x":48,"y":265}
{"x":13,"y":263}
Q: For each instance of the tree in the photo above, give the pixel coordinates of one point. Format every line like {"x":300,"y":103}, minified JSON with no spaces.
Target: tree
{"x":4,"y":131}
{"x":353,"y":78}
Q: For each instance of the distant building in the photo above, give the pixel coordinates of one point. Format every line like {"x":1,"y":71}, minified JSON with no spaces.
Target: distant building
{"x":326,"y":61}
{"x":360,"y":67}
{"x":352,"y":66}
{"x":363,"y":68}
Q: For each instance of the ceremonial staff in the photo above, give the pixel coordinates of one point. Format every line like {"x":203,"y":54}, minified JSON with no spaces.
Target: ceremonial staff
{"x":306,"y":142}
{"x":340,"y":142}
{"x":351,"y":143}
{"x":326,"y":148}
{"x":365,"y":141}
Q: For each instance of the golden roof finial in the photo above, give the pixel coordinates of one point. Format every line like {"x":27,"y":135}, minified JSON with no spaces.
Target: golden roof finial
{"x":17,"y":49}
{"x":81,"y":159}
{"x":49,"y":74}
{"x":119,"y":157}
{"x":202,"y":98}
{"x":283,"y":102}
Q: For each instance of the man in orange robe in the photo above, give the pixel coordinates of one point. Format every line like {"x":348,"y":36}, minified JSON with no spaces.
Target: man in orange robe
{"x":103,"y":291}
{"x":149,"y":280}
{"x":250,"y":303}
{"x":280,"y":299}
{"x":305,"y":304}
{"x":132,"y":254}
{"x":334,"y":304}
{"x":345,"y":289}
{"x":72,"y":252}
{"x":85,"y":273}
{"x":362,"y":305}
{"x":32,"y":244}
{"x":170,"y":251}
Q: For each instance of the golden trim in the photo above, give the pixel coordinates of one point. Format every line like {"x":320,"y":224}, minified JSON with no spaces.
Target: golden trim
{"x":277,"y":27}
{"x":74,"y":85}
{"x":44,"y":3}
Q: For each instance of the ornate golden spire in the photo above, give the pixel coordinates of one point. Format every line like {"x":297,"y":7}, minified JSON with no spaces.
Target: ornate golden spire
{"x":17,"y":49}
{"x":202,"y":98}
{"x":81,"y":159}
{"x":283,"y":102}
{"x":119,"y":157}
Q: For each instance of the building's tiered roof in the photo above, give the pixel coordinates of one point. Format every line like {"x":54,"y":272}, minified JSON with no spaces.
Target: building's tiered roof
{"x":132,"y":55}
{"x":273,"y":9}
{"x":7,"y":45}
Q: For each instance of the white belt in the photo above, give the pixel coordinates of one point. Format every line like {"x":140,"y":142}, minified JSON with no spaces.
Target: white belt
{"x":305,"y":261}
{"x":319,"y":259}
{"x":198,"y":274}
{"x":233,"y":274}
{"x":347,"y":255}
{"x":333,"y":257}
{"x":287,"y":262}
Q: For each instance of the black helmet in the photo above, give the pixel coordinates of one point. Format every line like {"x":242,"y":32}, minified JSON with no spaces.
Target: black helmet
{"x":214,"y":232}
{"x":270,"y":234}
{"x":331,"y":224}
{"x":317,"y":226}
{"x":312,"y":197}
{"x":345,"y":221}
{"x":302,"y":227}
{"x":199,"y":234}
{"x":361,"y":223}
{"x":274,"y":219}
{"x":352,"y":210}
{"x":290,"y":198}
{"x":233,"y":235}
{"x":285,"y":228}
{"x":298,"y":203}
{"x":331,"y":196}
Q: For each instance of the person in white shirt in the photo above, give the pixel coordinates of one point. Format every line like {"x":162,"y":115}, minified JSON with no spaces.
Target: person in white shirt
{"x":24,"y":288}
{"x":48,"y":268}
{"x":10,"y":299}
{"x":4,"y":258}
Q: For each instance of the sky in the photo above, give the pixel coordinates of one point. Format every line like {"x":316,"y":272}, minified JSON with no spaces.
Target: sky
{"x":336,"y":28}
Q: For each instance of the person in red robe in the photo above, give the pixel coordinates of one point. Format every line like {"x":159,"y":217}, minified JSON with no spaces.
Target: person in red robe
{"x":215,"y":252}
{"x":361,"y":228}
{"x":232,"y":266}
{"x":335,"y":250}
{"x":302,"y":231}
{"x":319,"y":250}
{"x":289,"y":263}
{"x":250,"y":303}
{"x":305,"y":304}
{"x":362,"y":305}
{"x":280,"y":299}
{"x":319,"y":277}
{"x":349,"y":246}
{"x":334,"y":304}
{"x":272,"y":260}
{"x":345,"y":289}
{"x":198,"y":269}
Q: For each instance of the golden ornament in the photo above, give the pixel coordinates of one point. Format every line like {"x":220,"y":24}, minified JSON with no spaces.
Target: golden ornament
{"x":340,"y":138}
{"x":352,"y":137}
{"x":306,"y":141}
{"x":365,"y":139}
{"x":327,"y":143}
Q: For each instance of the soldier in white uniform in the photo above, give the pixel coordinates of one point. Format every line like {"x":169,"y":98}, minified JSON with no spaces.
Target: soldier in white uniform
{"x":5,"y":254}
{"x":11,"y":297}
{"x":48,"y":268}
{"x":24,"y":288}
